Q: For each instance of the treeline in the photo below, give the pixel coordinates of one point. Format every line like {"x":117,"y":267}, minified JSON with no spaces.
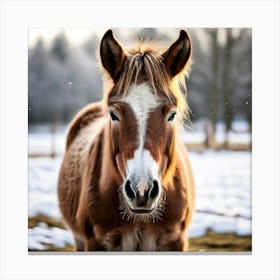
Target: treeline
{"x":220,"y":85}
{"x":63,"y":78}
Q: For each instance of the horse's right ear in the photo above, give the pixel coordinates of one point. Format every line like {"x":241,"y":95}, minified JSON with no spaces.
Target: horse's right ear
{"x":112,"y":55}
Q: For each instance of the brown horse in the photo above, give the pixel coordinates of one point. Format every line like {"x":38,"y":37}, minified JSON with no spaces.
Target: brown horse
{"x":126,"y":183}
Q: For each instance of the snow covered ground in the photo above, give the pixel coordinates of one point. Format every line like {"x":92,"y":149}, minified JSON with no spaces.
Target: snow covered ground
{"x":223,"y":196}
{"x":223,"y":192}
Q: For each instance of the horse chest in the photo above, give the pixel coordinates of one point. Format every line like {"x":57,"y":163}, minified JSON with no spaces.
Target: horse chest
{"x":139,"y":240}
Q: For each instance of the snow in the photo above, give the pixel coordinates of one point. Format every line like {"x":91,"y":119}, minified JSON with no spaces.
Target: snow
{"x":193,"y":137}
{"x":240,"y":126}
{"x":223,"y":192}
{"x":44,"y":143}
{"x":43,"y":174}
{"x":41,"y":236}
{"x":238,"y":135}
{"x":219,"y":224}
{"x":239,"y":138}
{"x":223,"y":196}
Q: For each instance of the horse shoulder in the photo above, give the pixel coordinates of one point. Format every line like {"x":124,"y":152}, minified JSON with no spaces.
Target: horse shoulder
{"x":84,"y":141}
{"x":85,"y":116}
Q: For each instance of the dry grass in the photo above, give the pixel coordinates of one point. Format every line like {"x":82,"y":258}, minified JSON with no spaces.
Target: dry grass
{"x":51,"y":222}
{"x":215,"y":242}
{"x":200,"y":147}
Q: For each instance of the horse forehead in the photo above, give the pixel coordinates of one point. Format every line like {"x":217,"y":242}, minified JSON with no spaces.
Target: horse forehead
{"x":141,"y":99}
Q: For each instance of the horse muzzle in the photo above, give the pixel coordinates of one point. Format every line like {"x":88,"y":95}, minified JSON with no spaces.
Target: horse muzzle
{"x":141,"y":195}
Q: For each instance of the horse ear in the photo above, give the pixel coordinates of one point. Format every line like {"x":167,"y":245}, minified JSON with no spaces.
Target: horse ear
{"x":179,"y":53}
{"x":112,"y":55}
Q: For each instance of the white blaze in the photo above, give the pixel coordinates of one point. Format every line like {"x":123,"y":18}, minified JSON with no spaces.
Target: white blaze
{"x":142,"y":101}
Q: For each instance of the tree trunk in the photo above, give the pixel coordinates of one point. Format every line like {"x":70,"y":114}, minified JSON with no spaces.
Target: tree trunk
{"x":227,"y":89}
{"x":213,"y":104}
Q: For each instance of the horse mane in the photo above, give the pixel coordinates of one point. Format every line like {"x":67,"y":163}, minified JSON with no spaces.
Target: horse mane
{"x":144,"y":63}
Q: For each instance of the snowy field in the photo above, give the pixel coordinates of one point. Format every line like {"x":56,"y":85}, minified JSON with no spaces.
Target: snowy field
{"x":223,"y":196}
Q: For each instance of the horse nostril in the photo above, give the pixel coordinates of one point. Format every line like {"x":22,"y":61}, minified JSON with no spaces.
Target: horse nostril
{"x":128,"y":190}
{"x":155,"y":190}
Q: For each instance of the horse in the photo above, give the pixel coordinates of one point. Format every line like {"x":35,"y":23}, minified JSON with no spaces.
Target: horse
{"x":126,"y":182}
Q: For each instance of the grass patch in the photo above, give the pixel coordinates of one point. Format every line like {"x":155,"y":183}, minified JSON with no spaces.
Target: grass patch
{"x":215,"y":242}
{"x":51,"y":222}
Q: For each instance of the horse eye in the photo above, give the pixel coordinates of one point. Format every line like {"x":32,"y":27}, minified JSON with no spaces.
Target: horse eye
{"x":172,"y":116}
{"x":114,"y":117}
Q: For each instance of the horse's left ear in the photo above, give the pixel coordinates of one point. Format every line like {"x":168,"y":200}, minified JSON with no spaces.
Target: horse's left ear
{"x":112,"y":55}
{"x":179,"y":53}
